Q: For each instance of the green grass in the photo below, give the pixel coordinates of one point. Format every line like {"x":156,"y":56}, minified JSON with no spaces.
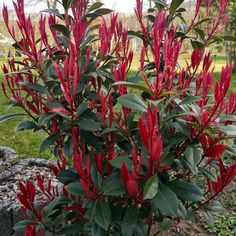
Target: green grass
{"x":25,"y":143}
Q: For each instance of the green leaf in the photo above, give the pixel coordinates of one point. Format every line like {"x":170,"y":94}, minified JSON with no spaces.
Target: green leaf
{"x":103,"y":11}
{"x":96,"y":230}
{"x":81,"y":109}
{"x":166,"y":201}
{"x":68,"y":148}
{"x":96,"y":177}
{"x":225,"y":117}
{"x":20,"y":227}
{"x":75,"y":189}
{"x":95,"y":6}
{"x":182,"y":212}
{"x":190,"y":99}
{"x":117,"y":162}
{"x":49,"y":142}
{"x":196,"y":44}
{"x":72,"y":229}
{"x":209,"y":218}
{"x":51,"y":206}
{"x":67,"y":176}
{"x":89,"y":39}
{"x":103,"y":214}
{"x":215,"y":206}
{"x":175,"y":4}
{"x":89,"y":125}
{"x":62,"y":29}
{"x":135,"y":34}
{"x":52,"y":105}
{"x":151,"y":188}
{"x":113,"y":186}
{"x":133,"y":102}
{"x":92,"y":140}
{"x":192,"y":157}
{"x":64,"y":40}
{"x":45,"y":117}
{"x":230,"y":130}
{"x":129,"y":221}
{"x":208,"y":174}
{"x":36,"y":87}
{"x":26,"y":125}
{"x":202,"y":21}
{"x":186,"y":191}
{"x":54,"y":12}
{"x":132,"y":85}
{"x":7,"y":117}
{"x":66,"y":4}
{"x":200,"y":33}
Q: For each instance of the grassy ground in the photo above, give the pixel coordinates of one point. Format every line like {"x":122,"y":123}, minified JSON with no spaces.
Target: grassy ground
{"x":27,"y":143}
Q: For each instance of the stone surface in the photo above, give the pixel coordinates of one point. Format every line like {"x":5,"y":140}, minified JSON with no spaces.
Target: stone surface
{"x":7,"y":155}
{"x":24,"y":170}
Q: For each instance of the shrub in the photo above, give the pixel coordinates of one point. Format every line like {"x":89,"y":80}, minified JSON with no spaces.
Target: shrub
{"x":132,"y":151}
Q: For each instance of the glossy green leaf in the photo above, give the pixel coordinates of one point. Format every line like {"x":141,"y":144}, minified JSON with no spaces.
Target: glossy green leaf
{"x":7,"y":117}
{"x":230,"y":130}
{"x":117,"y":162}
{"x":103,"y":214}
{"x":175,"y":4}
{"x":72,"y":229}
{"x":75,"y":189}
{"x":132,"y":85}
{"x":129,"y":221}
{"x":62,"y":29}
{"x":53,"y":204}
{"x":225,"y":117}
{"x":113,"y":186}
{"x":151,"y":188}
{"x":190,"y":99}
{"x":209,"y":218}
{"x":215,"y":206}
{"x":133,"y":102}
{"x":20,"y":227}
{"x":95,"y":6}
{"x":186,"y":191}
{"x":26,"y":125}
{"x":166,"y":201}
{"x":49,"y":142}
{"x":192,"y":157}
{"x":36,"y":87}
{"x":89,"y":125}
{"x":208,"y":174}
{"x":67,"y":176}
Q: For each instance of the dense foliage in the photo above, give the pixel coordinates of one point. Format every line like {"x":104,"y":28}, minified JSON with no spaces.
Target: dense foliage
{"x":132,"y":151}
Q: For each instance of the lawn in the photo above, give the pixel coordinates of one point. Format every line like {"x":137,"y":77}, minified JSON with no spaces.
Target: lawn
{"x":27,"y":143}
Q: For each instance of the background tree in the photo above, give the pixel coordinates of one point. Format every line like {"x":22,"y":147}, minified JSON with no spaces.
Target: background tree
{"x":230,"y":31}
{"x":50,"y":3}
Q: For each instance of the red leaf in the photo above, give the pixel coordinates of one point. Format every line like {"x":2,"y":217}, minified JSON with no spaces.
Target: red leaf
{"x":24,"y":201}
{"x":215,"y":151}
{"x":230,"y":173}
{"x":132,"y":187}
{"x":31,"y":191}
{"x":59,"y":110}
{"x":22,"y":189}
{"x":124,"y":173}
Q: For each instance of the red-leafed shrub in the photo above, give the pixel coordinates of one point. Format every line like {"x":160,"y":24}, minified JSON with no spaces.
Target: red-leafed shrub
{"x":132,"y":151}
